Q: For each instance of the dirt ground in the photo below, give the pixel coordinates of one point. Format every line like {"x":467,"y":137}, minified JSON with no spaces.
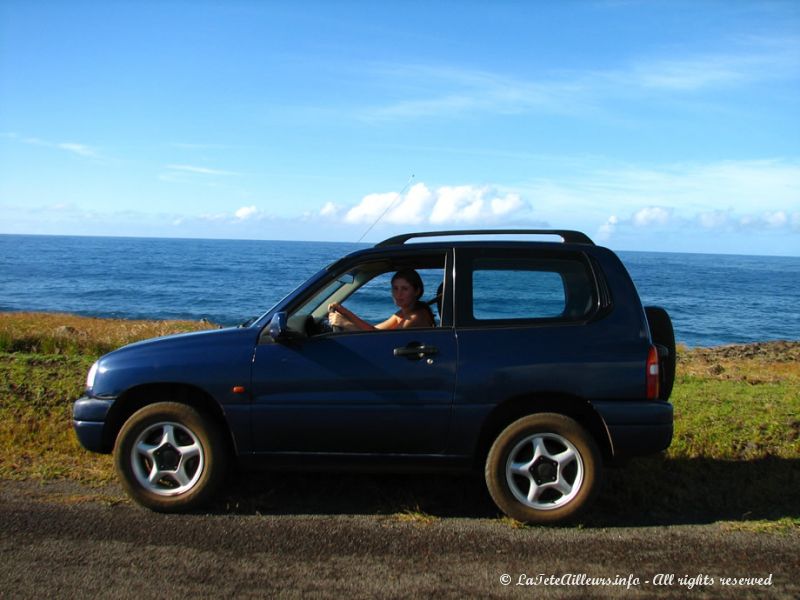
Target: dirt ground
{"x":65,"y":540}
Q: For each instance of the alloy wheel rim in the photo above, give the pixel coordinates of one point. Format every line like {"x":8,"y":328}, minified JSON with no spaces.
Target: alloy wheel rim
{"x":544,"y":471}
{"x":167,"y":459}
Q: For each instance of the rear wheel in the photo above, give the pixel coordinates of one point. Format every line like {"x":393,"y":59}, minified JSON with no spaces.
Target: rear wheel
{"x":543,"y":468}
{"x":170,"y":457}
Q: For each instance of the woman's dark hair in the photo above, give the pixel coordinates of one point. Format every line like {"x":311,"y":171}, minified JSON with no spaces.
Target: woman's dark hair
{"x":412,"y":277}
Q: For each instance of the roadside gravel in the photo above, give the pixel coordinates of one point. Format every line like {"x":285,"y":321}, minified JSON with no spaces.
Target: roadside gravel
{"x":61,"y":539}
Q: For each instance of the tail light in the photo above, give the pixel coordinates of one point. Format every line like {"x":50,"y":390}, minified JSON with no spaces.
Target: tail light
{"x":652,"y":374}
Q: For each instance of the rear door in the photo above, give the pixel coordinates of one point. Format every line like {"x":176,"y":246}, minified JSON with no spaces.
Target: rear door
{"x":530,"y":323}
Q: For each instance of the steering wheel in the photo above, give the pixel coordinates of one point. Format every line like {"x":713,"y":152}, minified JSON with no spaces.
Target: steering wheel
{"x":318,"y":327}
{"x":333,"y":328}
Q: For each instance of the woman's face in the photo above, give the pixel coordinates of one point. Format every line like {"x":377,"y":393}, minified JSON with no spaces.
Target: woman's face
{"x":404,"y":293}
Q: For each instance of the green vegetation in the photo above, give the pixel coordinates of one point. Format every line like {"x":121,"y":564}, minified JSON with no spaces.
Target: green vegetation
{"x":36,"y":437}
{"x":44,"y":359}
{"x":738,"y":403}
{"x":415,"y":515}
{"x":48,"y":333}
{"x":735,"y":455}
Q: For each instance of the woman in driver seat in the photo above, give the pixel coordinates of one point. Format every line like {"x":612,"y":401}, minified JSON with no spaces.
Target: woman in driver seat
{"x":407,"y":289}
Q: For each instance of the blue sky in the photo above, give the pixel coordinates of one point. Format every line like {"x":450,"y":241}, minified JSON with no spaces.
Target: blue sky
{"x":649,"y":125}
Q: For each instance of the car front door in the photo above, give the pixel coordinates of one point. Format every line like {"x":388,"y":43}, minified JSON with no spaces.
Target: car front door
{"x":371,"y":392}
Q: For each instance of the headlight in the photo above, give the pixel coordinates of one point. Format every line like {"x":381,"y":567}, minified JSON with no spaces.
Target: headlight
{"x":90,"y":377}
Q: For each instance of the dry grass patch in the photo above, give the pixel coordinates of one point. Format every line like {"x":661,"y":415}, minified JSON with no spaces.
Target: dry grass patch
{"x":54,"y":333}
{"x":416,"y":516}
{"x":788,"y":525}
{"x":766,"y":362}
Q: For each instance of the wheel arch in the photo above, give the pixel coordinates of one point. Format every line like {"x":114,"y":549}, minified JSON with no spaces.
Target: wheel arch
{"x":515,"y":408}
{"x":140,"y":396}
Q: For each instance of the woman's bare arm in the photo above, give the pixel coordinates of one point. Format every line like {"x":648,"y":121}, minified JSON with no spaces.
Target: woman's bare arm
{"x":337,"y":311}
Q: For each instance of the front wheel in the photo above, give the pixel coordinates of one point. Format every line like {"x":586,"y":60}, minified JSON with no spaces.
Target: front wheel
{"x":169,"y":457}
{"x":543,"y":468}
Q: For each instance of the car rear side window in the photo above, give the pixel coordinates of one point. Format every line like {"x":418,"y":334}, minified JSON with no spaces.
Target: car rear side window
{"x":535,"y":294}
{"x":519,"y":288}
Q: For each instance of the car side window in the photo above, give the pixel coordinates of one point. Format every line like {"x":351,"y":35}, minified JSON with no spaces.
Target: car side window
{"x":516,"y":288}
{"x":373,"y":301}
{"x":533,"y":294}
{"x":365,"y":290}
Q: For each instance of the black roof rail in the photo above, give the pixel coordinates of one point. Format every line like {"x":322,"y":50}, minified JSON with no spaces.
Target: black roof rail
{"x":569,"y":236}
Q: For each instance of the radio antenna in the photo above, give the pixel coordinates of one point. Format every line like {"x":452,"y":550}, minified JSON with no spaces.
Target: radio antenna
{"x":400,"y":195}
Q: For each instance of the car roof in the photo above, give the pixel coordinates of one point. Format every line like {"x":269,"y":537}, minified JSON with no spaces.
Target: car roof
{"x":568,"y":236}
{"x":397,"y":245}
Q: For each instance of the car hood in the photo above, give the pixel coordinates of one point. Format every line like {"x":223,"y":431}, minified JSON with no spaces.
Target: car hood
{"x":168,"y":342}
{"x":194,"y":358}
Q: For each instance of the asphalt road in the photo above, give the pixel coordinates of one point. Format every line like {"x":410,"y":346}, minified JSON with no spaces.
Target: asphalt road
{"x":62,"y":540}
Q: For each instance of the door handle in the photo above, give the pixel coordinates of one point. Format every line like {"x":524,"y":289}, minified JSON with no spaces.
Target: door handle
{"x":415,"y":351}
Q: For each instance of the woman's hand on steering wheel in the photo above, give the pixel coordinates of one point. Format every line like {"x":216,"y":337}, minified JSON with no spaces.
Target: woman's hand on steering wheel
{"x":335,"y":319}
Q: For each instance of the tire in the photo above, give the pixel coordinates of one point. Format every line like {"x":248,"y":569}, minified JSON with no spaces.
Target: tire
{"x":543,"y":468}
{"x":170,"y":457}
{"x":663,"y":334}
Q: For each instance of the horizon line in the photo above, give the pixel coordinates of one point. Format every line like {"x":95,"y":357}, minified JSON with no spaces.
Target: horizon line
{"x":354,"y":243}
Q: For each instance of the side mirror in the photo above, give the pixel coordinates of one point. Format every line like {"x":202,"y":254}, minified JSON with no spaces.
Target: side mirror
{"x":277,"y":326}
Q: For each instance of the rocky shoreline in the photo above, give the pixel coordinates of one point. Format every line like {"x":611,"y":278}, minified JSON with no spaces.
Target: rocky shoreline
{"x":773,"y":351}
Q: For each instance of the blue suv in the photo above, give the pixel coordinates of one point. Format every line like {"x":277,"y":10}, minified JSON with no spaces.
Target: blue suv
{"x":539,"y":364}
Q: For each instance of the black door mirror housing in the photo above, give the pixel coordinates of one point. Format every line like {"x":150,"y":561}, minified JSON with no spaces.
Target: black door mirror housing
{"x":277,"y":326}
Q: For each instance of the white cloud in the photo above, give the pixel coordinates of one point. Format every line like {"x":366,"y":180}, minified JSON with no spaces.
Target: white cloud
{"x":718,"y":196}
{"x":213,"y":217}
{"x":199,"y":170}
{"x":652,"y":215}
{"x":770,"y":220}
{"x":246,"y":212}
{"x":749,"y":60}
{"x":371,"y":208}
{"x":718,"y":221}
{"x":694,"y":73}
{"x":506,"y":205}
{"x":448,"y":204}
{"x":776,"y":219}
{"x":607,"y":229}
{"x":329,"y":210}
{"x":714,"y":219}
{"x":83,"y":150}
{"x":444,"y":91}
{"x":709,"y":194}
{"x":441,"y":91}
{"x":458,"y":204}
{"x":79,"y":149}
{"x":415,"y":207}
{"x":412,"y":208}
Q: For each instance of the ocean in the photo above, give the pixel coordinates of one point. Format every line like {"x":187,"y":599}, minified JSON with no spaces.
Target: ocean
{"x":713,"y":299}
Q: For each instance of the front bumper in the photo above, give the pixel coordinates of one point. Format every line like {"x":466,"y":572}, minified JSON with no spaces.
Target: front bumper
{"x":88,"y":420}
{"x":637,"y":428}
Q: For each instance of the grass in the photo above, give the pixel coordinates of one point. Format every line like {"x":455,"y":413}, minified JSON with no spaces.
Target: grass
{"x":44,"y":359}
{"x":53,"y":333}
{"x":749,"y":410}
{"x":415,"y":515}
{"x":779,"y":526}
{"x":735,"y":456}
{"x":735,"y":453}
